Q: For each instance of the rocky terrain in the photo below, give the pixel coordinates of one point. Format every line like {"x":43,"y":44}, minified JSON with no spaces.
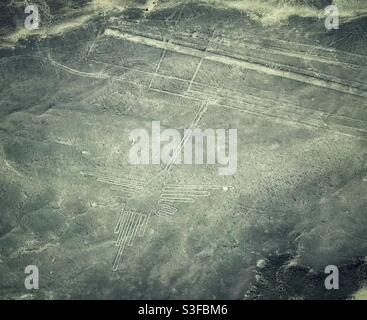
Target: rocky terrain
{"x":99,"y":228}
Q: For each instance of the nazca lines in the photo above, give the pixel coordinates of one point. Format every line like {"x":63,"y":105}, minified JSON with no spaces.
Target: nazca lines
{"x":188,"y":134}
{"x":287,"y":111}
{"x":130,"y":222}
{"x":302,"y":115}
{"x":115,"y":182}
{"x":130,"y":225}
{"x":251,"y":62}
{"x":181,"y":193}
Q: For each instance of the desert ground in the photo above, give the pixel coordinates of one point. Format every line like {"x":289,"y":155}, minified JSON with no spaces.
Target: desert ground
{"x":98,"y":227}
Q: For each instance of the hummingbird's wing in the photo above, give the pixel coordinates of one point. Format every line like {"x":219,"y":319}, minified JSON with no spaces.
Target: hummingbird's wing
{"x":173,"y":194}
{"x":127,"y":185}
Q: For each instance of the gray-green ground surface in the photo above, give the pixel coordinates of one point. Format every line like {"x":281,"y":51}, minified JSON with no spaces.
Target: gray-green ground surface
{"x":73,"y":90}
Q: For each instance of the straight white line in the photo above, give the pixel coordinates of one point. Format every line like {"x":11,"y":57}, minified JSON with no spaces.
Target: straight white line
{"x":120,"y":220}
{"x":124,"y":185}
{"x":124,"y":228}
{"x":201,"y":61}
{"x":144,"y":226}
{"x":133,"y":236}
{"x":158,"y":66}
